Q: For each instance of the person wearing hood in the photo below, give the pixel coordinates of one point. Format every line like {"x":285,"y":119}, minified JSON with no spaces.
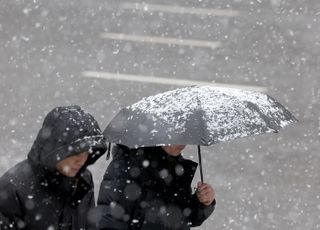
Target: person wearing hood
{"x":53,"y":189}
{"x":150,"y":188}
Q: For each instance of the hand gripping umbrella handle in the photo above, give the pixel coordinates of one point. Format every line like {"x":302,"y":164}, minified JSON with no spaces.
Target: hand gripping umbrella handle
{"x":200,"y":163}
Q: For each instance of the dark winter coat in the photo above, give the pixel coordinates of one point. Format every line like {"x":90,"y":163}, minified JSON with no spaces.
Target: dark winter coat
{"x":150,"y":190}
{"x":33,"y":195}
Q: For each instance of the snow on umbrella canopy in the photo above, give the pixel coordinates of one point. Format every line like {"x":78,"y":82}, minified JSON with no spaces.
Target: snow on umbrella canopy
{"x":197,"y":115}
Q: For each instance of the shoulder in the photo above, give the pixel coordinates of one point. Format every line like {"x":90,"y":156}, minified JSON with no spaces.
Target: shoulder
{"x":19,"y":175}
{"x":188,"y":162}
{"x":119,"y":150}
{"x":123,"y":163}
{"x":15,"y":185}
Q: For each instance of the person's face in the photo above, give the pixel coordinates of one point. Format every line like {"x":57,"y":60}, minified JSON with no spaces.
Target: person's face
{"x":70,"y":166}
{"x":173,"y":150}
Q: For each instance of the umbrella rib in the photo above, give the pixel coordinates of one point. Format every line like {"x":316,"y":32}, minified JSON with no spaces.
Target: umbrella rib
{"x":263,"y":116}
{"x":203,"y":124}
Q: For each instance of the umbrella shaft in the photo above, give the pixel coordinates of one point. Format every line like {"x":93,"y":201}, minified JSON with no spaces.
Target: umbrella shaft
{"x":200,"y":163}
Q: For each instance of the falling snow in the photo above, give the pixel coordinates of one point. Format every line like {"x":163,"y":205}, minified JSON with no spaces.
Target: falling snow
{"x":262,"y":182}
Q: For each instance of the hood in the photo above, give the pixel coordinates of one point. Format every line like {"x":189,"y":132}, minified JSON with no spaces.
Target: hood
{"x":67,"y":131}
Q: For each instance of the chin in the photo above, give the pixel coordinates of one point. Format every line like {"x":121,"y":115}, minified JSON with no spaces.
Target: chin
{"x":71,"y":175}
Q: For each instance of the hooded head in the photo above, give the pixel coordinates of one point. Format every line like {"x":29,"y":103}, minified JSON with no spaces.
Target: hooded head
{"x":67,"y":131}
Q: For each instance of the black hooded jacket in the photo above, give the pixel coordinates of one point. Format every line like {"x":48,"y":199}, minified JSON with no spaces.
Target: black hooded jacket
{"x":33,"y":195}
{"x":148,"y":189}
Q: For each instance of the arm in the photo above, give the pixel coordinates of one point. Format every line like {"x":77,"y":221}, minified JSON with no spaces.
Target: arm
{"x":202,"y":203}
{"x":200,"y":212}
{"x":6,"y":223}
{"x":10,"y":209}
{"x":118,"y":194}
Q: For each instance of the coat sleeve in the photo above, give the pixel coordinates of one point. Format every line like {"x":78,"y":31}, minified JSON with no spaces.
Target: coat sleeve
{"x":119,"y":192}
{"x":11,"y":211}
{"x":200,"y":212}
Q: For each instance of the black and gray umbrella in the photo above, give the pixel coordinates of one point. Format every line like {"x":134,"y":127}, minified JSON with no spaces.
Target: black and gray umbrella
{"x":197,"y":115}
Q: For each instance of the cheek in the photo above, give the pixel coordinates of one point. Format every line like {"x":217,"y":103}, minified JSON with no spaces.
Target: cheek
{"x":66,"y":168}
{"x":85,"y":159}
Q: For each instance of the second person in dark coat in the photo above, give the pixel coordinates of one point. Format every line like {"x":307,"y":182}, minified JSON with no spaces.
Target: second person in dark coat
{"x":150,"y":189}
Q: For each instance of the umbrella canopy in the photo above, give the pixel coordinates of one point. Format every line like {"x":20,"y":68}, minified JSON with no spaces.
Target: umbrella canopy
{"x":197,"y":115}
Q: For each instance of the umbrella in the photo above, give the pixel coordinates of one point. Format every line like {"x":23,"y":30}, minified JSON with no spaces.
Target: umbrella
{"x":197,"y":115}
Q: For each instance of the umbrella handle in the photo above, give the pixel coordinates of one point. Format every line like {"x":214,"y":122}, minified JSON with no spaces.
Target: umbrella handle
{"x":200,"y":163}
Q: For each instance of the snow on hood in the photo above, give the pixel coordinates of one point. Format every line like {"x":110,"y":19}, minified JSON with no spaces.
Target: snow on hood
{"x":66,"y":131}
